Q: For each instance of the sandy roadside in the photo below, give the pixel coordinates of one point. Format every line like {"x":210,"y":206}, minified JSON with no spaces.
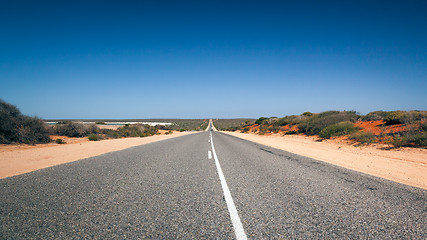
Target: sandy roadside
{"x":405,"y":165}
{"x":15,"y":160}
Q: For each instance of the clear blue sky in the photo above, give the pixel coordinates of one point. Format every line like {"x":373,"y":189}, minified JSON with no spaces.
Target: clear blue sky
{"x":211,"y":59}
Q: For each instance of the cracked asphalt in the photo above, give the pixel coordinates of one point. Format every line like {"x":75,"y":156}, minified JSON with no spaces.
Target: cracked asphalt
{"x":171,"y":190}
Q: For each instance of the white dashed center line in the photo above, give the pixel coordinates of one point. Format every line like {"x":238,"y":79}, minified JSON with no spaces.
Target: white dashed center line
{"x":235,"y":219}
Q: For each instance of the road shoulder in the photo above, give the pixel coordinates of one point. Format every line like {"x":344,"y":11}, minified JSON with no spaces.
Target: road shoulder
{"x":17,"y":161}
{"x":407,"y":166}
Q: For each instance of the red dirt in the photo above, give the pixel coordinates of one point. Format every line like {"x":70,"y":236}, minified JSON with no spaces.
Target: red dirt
{"x":288,"y":128}
{"x":377,"y":127}
{"x":371,"y":126}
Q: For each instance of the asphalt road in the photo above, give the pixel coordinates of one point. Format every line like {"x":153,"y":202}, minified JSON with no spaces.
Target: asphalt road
{"x":171,"y":190}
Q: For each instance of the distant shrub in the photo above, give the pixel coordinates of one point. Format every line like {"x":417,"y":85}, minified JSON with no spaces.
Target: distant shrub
{"x":274,"y":128}
{"x":109,"y":133}
{"x":60,"y":141}
{"x":338,"y":129}
{"x":263,"y":129}
{"x":308,"y":114}
{"x":93,"y":137}
{"x":314,"y":124}
{"x":182,"y":130}
{"x":18,"y":128}
{"x":291,"y":132}
{"x":399,"y":141}
{"x":231,"y":129}
{"x":419,"y":139}
{"x":292,"y":120}
{"x":405,"y":117}
{"x":363,"y":137}
{"x":73,"y":129}
{"x":100,"y":123}
{"x":245,"y":129}
{"x":410,"y":139}
{"x":261,"y":120}
{"x":168,"y":132}
{"x":375,"y":116}
{"x":137,"y":130}
{"x":396,"y":117}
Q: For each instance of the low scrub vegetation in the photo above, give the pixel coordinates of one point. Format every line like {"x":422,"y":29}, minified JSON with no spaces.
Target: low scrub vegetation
{"x":363,"y":137}
{"x":396,"y":128}
{"x":409,"y":139}
{"x":93,"y":137}
{"x":60,"y":141}
{"x":314,"y":124}
{"x":18,"y":128}
{"x":137,"y":130}
{"x":183,"y":124}
{"x":396,"y":117}
{"x":338,"y":129}
{"x":74,"y":129}
{"x":232,"y":124}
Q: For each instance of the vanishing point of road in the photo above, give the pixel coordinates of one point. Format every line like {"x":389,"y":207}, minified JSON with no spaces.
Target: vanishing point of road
{"x":207,"y":185}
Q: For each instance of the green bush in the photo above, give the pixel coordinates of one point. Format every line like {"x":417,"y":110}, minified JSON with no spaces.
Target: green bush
{"x":263,"y":129}
{"x":338,"y":129}
{"x":291,"y":132}
{"x":232,"y":124}
{"x":136,"y":130}
{"x":93,"y":137}
{"x":410,"y":139}
{"x":288,"y":120}
{"x":245,"y":129}
{"x":396,"y":117}
{"x":375,"y":116}
{"x":182,"y":130}
{"x":399,"y":141}
{"x":274,"y":128}
{"x":18,"y":128}
{"x":261,"y":120}
{"x":314,"y":124}
{"x":308,"y":114}
{"x":74,"y":129}
{"x":405,"y":117}
{"x":60,"y":141}
{"x":419,"y":139}
{"x":363,"y":137}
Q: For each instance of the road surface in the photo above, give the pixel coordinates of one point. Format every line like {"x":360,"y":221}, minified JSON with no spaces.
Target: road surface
{"x":173,"y":190}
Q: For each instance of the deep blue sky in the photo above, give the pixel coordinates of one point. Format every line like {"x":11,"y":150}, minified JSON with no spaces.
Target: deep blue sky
{"x":202,"y":59}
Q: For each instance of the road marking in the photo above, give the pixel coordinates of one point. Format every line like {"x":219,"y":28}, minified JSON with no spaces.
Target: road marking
{"x":209,"y":154}
{"x":235,"y":219}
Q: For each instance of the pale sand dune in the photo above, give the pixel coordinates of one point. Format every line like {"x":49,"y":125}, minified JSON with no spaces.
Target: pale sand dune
{"x":19,"y":159}
{"x":405,"y":165}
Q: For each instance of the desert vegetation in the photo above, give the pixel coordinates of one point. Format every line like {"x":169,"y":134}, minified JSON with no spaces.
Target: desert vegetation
{"x":232,"y":124}
{"x":396,"y":128}
{"x":177,"y":124}
{"x":185,"y":124}
{"x":18,"y":128}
